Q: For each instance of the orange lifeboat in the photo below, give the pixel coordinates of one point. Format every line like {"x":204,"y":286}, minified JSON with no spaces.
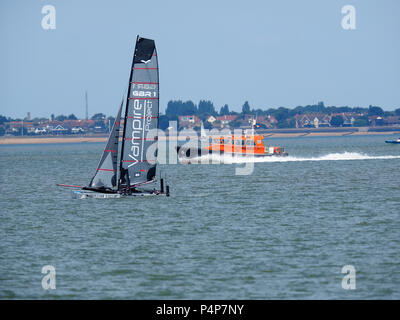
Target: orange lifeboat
{"x":244,"y":145}
{"x":238,"y":145}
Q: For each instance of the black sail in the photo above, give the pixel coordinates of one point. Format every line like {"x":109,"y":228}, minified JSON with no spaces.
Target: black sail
{"x":141,"y":117}
{"x":106,"y":173}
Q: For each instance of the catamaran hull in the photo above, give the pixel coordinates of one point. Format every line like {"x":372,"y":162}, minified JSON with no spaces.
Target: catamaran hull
{"x":190,"y":153}
{"x":95,"y":195}
{"x":83,"y":194}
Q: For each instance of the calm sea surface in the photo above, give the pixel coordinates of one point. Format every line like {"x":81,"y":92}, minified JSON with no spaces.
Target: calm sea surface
{"x":283,"y":232}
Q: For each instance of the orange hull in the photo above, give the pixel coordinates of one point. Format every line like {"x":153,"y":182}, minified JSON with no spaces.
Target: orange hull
{"x":239,"y":145}
{"x":253,"y":145}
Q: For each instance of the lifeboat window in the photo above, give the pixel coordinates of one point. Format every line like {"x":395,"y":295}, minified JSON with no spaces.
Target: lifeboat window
{"x":243,"y":142}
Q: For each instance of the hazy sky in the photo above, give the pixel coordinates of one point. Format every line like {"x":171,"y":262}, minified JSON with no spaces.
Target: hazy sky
{"x":271,"y":53}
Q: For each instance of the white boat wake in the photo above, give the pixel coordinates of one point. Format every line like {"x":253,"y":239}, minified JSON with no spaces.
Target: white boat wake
{"x":228,"y":159}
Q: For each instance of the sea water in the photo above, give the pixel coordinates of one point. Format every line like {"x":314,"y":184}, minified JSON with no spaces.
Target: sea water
{"x":285,"y":231}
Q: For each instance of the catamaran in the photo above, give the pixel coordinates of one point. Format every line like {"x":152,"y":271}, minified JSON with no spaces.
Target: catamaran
{"x":127,"y":165}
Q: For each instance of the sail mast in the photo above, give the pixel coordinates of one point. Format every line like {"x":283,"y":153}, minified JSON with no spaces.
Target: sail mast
{"x":87,"y":108}
{"x":126,"y":114}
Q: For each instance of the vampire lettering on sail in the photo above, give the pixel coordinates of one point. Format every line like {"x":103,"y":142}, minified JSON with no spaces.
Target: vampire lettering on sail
{"x":106,"y":173}
{"x":141,"y":117}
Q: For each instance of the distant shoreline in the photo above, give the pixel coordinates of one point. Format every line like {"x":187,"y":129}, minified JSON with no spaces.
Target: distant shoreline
{"x":275,"y":134}
{"x":48,"y":140}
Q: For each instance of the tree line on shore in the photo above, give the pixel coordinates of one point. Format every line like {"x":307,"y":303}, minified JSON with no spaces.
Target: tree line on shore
{"x":284,"y":116}
{"x":206,"y":108}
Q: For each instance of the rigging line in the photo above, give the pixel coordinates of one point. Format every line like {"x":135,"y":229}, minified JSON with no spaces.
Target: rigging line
{"x":144,"y":114}
{"x":68,"y":185}
{"x":119,"y":155}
